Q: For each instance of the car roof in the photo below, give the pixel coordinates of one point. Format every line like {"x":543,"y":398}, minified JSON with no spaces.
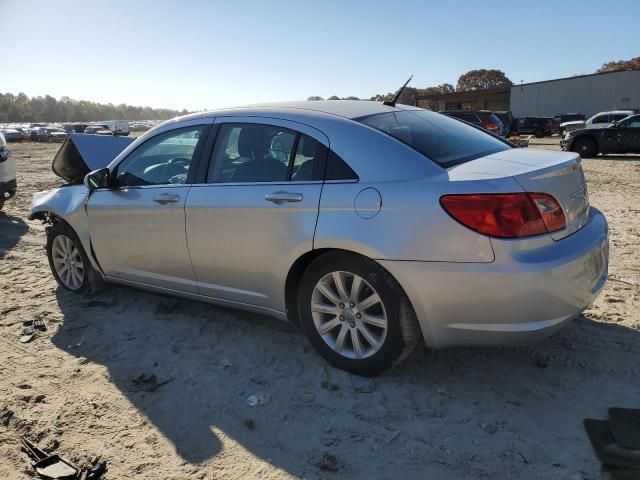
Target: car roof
{"x":615,"y":111}
{"x":342,"y":108}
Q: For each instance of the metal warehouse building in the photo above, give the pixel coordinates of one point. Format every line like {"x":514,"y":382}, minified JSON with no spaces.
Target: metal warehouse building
{"x":587,"y":94}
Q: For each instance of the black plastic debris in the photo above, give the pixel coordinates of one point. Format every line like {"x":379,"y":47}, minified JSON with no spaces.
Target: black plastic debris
{"x":98,"y":469}
{"x":625,"y":427}
{"x":49,"y":466}
{"x":616,"y":443}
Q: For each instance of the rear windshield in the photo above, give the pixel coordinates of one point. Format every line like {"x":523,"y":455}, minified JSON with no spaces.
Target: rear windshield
{"x":444,"y":140}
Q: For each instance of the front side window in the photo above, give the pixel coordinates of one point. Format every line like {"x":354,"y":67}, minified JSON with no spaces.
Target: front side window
{"x":443,"y":140}
{"x":163,"y":160}
{"x":249,"y":152}
{"x":601,"y":119}
{"x":633,"y":122}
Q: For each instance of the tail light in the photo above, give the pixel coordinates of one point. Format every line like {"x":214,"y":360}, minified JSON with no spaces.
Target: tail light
{"x":506,"y":215}
{"x":492,"y":126}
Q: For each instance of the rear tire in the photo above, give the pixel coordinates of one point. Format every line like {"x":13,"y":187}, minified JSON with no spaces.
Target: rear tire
{"x":69,"y":263}
{"x":586,"y":147}
{"x":359,"y":335}
{"x":538,"y":132}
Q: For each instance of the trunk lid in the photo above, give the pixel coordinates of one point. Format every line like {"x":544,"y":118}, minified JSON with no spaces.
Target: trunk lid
{"x":537,"y":171}
{"x":81,"y":154}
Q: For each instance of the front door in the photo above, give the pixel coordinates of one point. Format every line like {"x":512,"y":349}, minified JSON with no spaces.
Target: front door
{"x":138,"y":227}
{"x":257,"y":209}
{"x":630,"y":135}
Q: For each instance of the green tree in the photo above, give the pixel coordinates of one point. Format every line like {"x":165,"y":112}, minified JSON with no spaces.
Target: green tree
{"x":314,"y":98}
{"x":482,"y":79}
{"x":20,"y":108}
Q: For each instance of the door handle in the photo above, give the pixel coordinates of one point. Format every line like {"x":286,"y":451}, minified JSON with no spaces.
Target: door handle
{"x":282,"y":197}
{"x":166,"y":198}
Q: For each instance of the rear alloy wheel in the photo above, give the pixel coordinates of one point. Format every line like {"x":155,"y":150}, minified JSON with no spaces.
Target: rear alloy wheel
{"x":349,"y":315}
{"x":355,"y":314}
{"x":586,"y":147}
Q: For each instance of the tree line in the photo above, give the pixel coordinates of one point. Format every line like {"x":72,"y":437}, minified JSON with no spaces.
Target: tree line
{"x":472,"y":80}
{"x":478,"y":79}
{"x":21,"y":108}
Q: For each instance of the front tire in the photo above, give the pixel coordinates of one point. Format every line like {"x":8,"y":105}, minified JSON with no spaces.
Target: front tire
{"x":68,"y":261}
{"x":586,"y":147}
{"x":356,"y":314}
{"x":538,"y":132}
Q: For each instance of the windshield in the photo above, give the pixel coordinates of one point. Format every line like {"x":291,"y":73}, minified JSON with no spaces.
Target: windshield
{"x":444,"y":140}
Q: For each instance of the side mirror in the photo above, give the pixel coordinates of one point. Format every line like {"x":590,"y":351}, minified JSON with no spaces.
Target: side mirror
{"x":97,"y":179}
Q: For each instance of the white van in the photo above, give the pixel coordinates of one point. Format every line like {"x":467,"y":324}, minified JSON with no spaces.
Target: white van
{"x":8,"y":184}
{"x":118,"y":127}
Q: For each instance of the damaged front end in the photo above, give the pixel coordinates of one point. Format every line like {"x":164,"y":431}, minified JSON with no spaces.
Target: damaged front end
{"x":78,"y":155}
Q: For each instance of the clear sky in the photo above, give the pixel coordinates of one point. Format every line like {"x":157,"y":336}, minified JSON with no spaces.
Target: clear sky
{"x":199,"y":54}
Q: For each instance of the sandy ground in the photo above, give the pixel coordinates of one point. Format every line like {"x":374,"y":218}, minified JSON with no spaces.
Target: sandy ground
{"x":465,"y":413}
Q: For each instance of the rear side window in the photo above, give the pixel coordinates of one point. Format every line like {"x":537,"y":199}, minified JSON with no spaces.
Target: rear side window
{"x":618,"y":116}
{"x":443,"y":140}
{"x":309,"y":160}
{"x":250,"y":152}
{"x":337,"y":168}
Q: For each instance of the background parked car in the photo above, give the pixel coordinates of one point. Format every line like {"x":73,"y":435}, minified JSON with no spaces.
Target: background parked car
{"x":538,"y":126}
{"x":74,"y":127}
{"x":8,"y":184}
{"x":621,"y":137}
{"x":482,"y":118}
{"x":11,"y":135}
{"x":46,"y":134}
{"x":118,"y":127}
{"x":599,"y":120}
{"x":97,"y":130}
{"x":508,"y":122}
{"x":568,"y":117}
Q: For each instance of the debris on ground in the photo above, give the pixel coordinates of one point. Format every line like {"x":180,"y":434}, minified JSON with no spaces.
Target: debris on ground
{"x":148,"y":383}
{"x":96,"y":471}
{"x":258,"y":400}
{"x":328,"y":463}
{"x":5,"y":416}
{"x":440,"y":390}
{"x":362,"y":384}
{"x":332,"y":387}
{"x":249,"y":423}
{"x":49,"y":466}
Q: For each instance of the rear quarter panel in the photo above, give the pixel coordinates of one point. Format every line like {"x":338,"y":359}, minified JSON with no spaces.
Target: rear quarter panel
{"x":411,"y":224}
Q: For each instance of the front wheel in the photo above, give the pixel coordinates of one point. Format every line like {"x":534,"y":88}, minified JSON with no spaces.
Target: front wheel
{"x":355,"y":314}
{"x":586,"y":147}
{"x":68,"y":261}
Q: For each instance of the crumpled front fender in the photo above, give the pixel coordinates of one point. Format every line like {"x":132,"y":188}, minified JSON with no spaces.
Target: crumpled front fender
{"x":67,"y":203}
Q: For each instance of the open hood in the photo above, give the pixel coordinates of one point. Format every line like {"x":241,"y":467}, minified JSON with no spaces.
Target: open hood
{"x":81,"y":154}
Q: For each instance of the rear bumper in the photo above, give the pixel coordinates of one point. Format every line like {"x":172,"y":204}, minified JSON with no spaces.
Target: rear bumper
{"x":523,"y":296}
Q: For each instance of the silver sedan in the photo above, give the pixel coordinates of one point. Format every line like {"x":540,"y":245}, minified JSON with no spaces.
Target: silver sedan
{"x":372,"y":226}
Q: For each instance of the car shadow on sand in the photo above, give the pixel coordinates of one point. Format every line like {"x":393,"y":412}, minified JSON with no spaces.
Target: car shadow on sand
{"x":189,"y":368}
{"x":11,"y":230}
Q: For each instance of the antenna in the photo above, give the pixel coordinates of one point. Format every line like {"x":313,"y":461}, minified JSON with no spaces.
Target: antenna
{"x":392,"y":103}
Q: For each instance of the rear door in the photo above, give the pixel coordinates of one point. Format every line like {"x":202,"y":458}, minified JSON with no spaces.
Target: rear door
{"x":254,"y":211}
{"x":138,"y":227}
